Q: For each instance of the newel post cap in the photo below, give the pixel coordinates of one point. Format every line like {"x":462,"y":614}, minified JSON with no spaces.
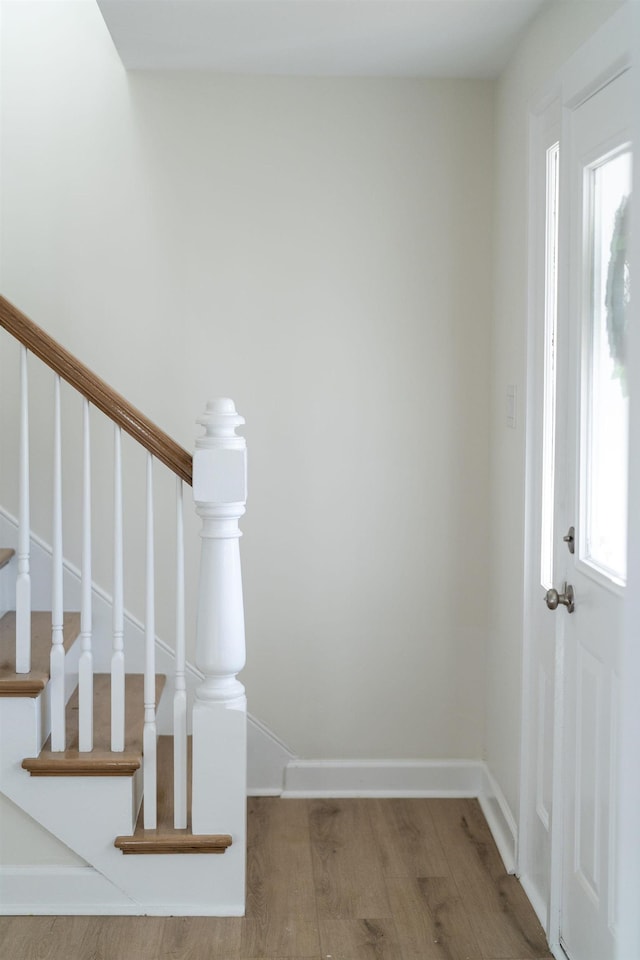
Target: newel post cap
{"x":219,"y":420}
{"x":220,"y":458}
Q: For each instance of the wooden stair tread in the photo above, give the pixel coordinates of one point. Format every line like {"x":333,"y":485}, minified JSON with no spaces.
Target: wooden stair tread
{"x":6,"y":553}
{"x":31,"y":684}
{"x":101,"y":761}
{"x":166,"y":839}
{"x":155,"y":842}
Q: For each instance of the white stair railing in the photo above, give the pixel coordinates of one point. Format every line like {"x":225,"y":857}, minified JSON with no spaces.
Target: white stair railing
{"x":23,"y":583}
{"x":58,"y":700}
{"x":150,"y":736}
{"x":117,"y":658}
{"x":85,"y":666}
{"x":180,"y":695}
{"x":219,"y":490}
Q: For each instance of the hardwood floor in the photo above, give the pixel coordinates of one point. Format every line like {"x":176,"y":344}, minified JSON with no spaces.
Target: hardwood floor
{"x":330,"y":880}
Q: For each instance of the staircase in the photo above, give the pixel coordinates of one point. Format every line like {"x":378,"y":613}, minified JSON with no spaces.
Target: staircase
{"x":124,"y":750}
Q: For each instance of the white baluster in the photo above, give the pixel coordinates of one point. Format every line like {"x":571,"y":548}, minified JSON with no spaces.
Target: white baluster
{"x":117,"y":658}
{"x":23,"y":583}
{"x":180,"y":695}
{"x":85,"y":666}
{"x":219,"y":714}
{"x":149,"y":737}
{"x":57,"y":684}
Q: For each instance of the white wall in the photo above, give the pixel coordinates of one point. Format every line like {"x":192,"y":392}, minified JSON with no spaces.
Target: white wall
{"x":320,"y":250}
{"x":557,"y":32}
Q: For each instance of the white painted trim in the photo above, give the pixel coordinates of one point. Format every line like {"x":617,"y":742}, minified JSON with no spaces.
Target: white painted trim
{"x":600,"y":60}
{"x":383,"y":778}
{"x":544,"y":127}
{"x":83,"y":891}
{"x":500,"y":819}
{"x":52,"y":890}
{"x":536,"y":901}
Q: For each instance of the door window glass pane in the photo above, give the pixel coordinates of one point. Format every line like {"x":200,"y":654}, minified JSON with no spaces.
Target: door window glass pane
{"x":604,"y":484}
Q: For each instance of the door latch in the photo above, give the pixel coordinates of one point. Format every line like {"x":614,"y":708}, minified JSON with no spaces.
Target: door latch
{"x":553,"y":599}
{"x":570,"y":539}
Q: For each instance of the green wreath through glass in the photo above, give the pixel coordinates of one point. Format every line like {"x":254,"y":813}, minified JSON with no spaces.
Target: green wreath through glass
{"x":617,"y":295}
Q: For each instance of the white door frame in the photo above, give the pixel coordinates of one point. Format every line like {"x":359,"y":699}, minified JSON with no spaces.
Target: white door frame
{"x":543,"y":119}
{"x":599,"y":61}
{"x":628,"y":820}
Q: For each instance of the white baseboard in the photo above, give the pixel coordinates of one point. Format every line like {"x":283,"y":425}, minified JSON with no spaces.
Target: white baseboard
{"x":82,"y":891}
{"x":500,"y":819}
{"x":382,"y":778}
{"x":50,"y":890}
{"x":536,"y":901}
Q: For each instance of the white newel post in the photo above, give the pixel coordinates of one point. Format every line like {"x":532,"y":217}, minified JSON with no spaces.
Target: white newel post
{"x":220,"y":709}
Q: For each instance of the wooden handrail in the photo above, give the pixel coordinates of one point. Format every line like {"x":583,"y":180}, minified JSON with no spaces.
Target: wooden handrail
{"x":99,"y":393}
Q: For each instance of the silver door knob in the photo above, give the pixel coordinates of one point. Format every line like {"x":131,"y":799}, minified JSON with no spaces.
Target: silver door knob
{"x":553,"y":599}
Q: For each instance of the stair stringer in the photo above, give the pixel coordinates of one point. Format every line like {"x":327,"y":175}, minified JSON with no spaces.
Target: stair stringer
{"x":87,"y":813}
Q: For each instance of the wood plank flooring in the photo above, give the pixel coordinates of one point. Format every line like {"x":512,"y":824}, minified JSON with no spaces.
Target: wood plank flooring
{"x":330,"y":880}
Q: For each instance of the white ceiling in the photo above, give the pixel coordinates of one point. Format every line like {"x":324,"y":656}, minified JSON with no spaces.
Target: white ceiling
{"x":403,"y":38}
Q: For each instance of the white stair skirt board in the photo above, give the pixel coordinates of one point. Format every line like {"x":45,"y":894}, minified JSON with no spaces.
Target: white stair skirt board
{"x":83,"y":891}
{"x":52,"y":890}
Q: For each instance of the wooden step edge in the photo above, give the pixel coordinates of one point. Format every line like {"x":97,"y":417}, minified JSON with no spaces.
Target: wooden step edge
{"x":29,"y":687}
{"x":6,"y":553}
{"x":31,"y":684}
{"x":80,"y":767}
{"x":174,"y":843}
{"x":101,"y":761}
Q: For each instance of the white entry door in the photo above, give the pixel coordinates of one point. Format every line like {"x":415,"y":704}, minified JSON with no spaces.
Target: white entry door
{"x":591,"y":498}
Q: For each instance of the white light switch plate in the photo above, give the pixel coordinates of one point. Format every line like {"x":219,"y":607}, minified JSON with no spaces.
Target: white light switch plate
{"x":512,"y":405}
